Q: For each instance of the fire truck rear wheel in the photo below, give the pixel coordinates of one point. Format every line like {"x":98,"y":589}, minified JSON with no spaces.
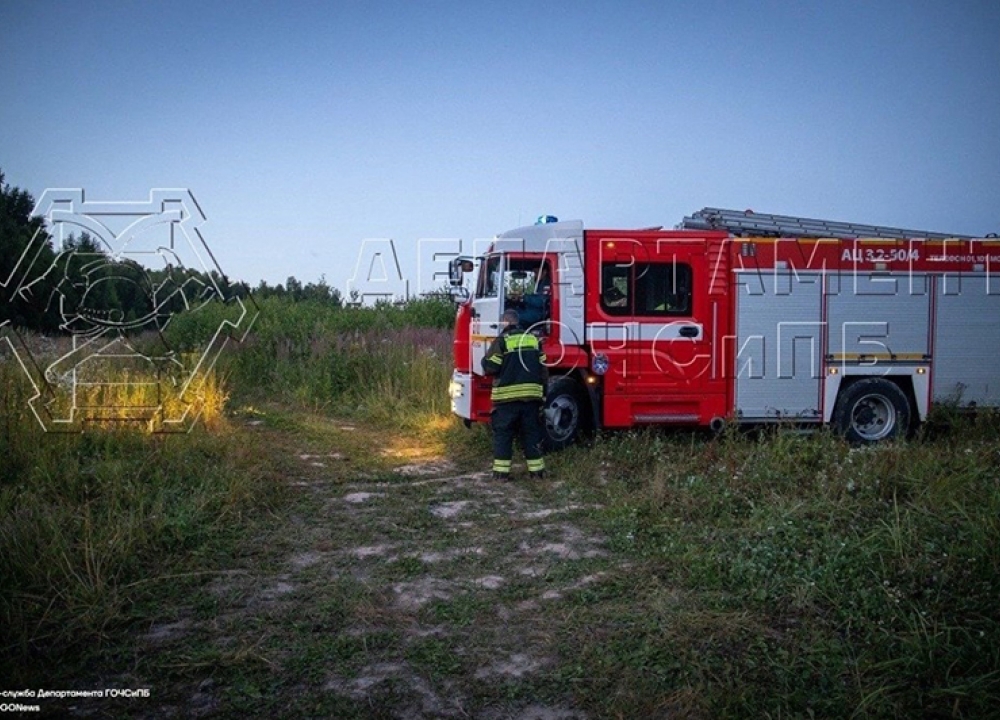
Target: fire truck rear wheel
{"x":872,"y":410}
{"x":565,"y":413}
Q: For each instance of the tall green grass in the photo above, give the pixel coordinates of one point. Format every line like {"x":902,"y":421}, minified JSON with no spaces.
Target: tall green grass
{"x":386,"y":363}
{"x":93,"y":523}
{"x":809,"y":578}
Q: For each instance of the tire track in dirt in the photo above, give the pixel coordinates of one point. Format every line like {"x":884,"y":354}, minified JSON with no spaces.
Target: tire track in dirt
{"x":408,"y":592}
{"x":463,"y":540}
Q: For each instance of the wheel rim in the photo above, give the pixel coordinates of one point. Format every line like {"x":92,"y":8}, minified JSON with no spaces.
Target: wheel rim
{"x":873,"y":417}
{"x":561,"y":417}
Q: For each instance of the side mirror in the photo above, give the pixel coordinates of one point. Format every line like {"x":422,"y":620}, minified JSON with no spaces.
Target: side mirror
{"x":457,"y":269}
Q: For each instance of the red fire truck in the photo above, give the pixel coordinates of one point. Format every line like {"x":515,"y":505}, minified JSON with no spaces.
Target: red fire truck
{"x":738,"y":316}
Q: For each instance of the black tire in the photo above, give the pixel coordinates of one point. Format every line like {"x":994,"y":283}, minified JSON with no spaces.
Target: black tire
{"x":872,"y":410}
{"x":566,"y":414}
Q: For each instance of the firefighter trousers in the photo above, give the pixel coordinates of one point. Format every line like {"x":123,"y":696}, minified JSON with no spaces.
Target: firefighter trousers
{"x":520,"y":418}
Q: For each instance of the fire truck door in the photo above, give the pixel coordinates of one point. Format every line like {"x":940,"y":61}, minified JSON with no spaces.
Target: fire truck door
{"x":487,"y":308}
{"x":660,"y":323}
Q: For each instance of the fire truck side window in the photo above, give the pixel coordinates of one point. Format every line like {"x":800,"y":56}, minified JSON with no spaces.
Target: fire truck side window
{"x":616,"y":283}
{"x":651,"y":289}
{"x":663,"y":289}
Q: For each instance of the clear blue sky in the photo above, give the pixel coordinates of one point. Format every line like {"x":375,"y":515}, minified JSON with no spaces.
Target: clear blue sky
{"x":304,"y":128}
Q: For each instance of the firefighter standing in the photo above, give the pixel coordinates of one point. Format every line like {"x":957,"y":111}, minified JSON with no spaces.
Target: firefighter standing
{"x":517,"y":364}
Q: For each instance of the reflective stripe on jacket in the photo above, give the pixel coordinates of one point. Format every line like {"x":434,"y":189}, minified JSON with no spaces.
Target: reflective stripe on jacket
{"x":516,"y":362}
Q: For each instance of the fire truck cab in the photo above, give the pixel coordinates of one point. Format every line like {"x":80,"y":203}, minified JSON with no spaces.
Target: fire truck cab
{"x":738,"y":317}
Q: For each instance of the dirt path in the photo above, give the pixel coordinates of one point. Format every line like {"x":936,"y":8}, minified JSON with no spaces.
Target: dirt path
{"x":396,"y":586}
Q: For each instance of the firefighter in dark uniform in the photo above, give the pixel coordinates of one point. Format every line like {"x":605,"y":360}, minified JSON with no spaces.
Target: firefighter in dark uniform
{"x":517,"y":364}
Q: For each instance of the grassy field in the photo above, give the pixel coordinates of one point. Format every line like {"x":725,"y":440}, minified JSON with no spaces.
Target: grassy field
{"x":806,"y":576}
{"x":327,"y":544}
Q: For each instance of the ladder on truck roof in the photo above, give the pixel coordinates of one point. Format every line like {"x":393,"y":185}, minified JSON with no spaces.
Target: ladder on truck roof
{"x":747,"y":223}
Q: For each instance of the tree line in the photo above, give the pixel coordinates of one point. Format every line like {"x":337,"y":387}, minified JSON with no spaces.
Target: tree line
{"x":80,"y":285}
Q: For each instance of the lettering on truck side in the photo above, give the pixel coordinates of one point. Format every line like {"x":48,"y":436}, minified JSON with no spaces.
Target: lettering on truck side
{"x":880,"y":255}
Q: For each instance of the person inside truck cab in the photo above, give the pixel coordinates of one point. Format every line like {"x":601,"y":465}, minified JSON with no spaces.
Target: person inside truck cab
{"x":535,"y":306}
{"x":543,"y":283}
{"x":614,"y":298}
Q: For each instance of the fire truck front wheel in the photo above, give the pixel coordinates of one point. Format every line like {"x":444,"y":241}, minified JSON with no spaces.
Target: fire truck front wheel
{"x":565,"y":413}
{"x":871,"y":410}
